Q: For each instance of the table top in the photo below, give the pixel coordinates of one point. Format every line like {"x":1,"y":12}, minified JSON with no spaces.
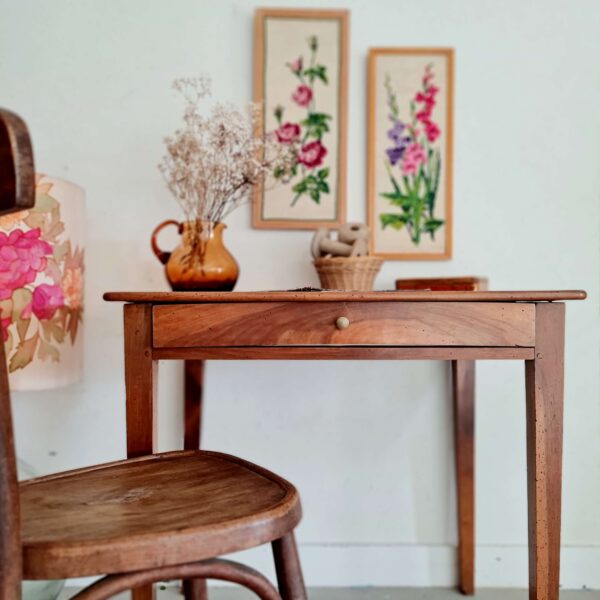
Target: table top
{"x":343,"y":296}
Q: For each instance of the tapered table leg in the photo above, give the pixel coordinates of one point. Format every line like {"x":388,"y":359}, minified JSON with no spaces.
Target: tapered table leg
{"x":463,"y":387}
{"x":544,"y":392}
{"x":193,"y":589}
{"x":140,"y":394}
{"x":193,"y":386}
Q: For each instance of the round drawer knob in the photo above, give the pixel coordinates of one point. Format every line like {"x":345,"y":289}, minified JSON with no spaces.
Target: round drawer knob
{"x":342,"y":322}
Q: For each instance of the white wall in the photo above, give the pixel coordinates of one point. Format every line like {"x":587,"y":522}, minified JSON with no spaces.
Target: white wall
{"x":369,"y":445}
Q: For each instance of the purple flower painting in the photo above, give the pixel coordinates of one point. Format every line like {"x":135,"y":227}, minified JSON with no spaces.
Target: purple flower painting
{"x":413,"y":162}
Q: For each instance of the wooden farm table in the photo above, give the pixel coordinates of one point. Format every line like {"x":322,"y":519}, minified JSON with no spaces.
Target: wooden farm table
{"x":456,"y":326}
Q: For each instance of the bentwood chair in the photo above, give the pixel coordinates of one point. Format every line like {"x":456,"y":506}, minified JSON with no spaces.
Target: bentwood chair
{"x":164,"y":516}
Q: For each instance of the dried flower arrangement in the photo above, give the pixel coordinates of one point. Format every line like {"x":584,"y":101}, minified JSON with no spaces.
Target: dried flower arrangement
{"x":212,"y":162}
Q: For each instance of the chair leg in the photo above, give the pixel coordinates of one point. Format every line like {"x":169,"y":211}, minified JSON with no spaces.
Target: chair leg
{"x":145,"y":592}
{"x":195,"y":589}
{"x":193,"y":384}
{"x":225,"y":570}
{"x":287,"y":566}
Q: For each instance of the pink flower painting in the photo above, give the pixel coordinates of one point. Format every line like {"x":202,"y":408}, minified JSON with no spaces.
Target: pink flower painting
{"x":305,"y":140}
{"x":296,"y":65}
{"x":413,"y":162}
{"x":287,"y":133}
{"x":303,"y":95}
{"x":413,"y":158}
{"x":311,"y":155}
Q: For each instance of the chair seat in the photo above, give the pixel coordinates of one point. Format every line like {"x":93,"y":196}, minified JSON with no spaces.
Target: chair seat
{"x":158,"y":510}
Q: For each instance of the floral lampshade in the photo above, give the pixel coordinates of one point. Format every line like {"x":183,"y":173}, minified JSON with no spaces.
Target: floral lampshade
{"x":41,"y":287}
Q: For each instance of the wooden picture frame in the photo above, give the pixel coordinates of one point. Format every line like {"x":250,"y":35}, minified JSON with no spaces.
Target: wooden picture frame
{"x":409,"y":152}
{"x":301,"y":66}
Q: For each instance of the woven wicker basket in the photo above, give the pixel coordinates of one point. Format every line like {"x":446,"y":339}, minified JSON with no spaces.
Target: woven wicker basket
{"x":348,"y":273}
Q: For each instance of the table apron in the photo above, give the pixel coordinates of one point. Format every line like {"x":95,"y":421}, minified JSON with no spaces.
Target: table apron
{"x":342,"y":353}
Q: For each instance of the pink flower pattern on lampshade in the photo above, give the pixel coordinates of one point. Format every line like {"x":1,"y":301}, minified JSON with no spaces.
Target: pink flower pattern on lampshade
{"x":41,"y":281}
{"x":72,"y":287}
{"x":5,"y":323}
{"x":22,"y":257}
{"x":46,"y":300}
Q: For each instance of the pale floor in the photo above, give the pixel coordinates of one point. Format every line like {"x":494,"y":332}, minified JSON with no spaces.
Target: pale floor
{"x":373,"y":594}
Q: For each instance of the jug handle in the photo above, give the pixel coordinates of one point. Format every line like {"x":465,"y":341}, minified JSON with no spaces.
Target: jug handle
{"x":162,"y":255}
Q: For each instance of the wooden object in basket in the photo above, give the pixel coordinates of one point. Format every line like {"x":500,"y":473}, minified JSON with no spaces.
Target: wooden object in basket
{"x":348,"y":273}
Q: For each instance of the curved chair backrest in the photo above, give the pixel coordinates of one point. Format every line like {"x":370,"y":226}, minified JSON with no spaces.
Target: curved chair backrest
{"x":17,"y":192}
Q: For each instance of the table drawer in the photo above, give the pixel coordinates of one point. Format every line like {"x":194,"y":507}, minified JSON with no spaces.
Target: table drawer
{"x":368,"y":323}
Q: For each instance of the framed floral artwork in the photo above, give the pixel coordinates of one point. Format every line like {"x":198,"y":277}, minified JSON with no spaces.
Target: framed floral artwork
{"x":300,"y":85}
{"x":409,"y":179}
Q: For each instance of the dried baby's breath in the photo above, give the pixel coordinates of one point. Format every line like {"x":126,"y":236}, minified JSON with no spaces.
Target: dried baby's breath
{"x":212,"y":162}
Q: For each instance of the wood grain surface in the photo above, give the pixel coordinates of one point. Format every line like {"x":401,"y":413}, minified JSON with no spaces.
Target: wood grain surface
{"x":162,"y":509}
{"x":387,"y":323}
{"x":340,"y":296}
{"x":10,"y":538}
{"x":17,"y":174}
{"x":463,"y":384}
{"x":287,"y":567}
{"x":141,"y":380}
{"x":17,"y":192}
{"x":441,"y":284}
{"x":544,"y":380}
{"x":343,"y":353}
{"x":193,"y":387}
